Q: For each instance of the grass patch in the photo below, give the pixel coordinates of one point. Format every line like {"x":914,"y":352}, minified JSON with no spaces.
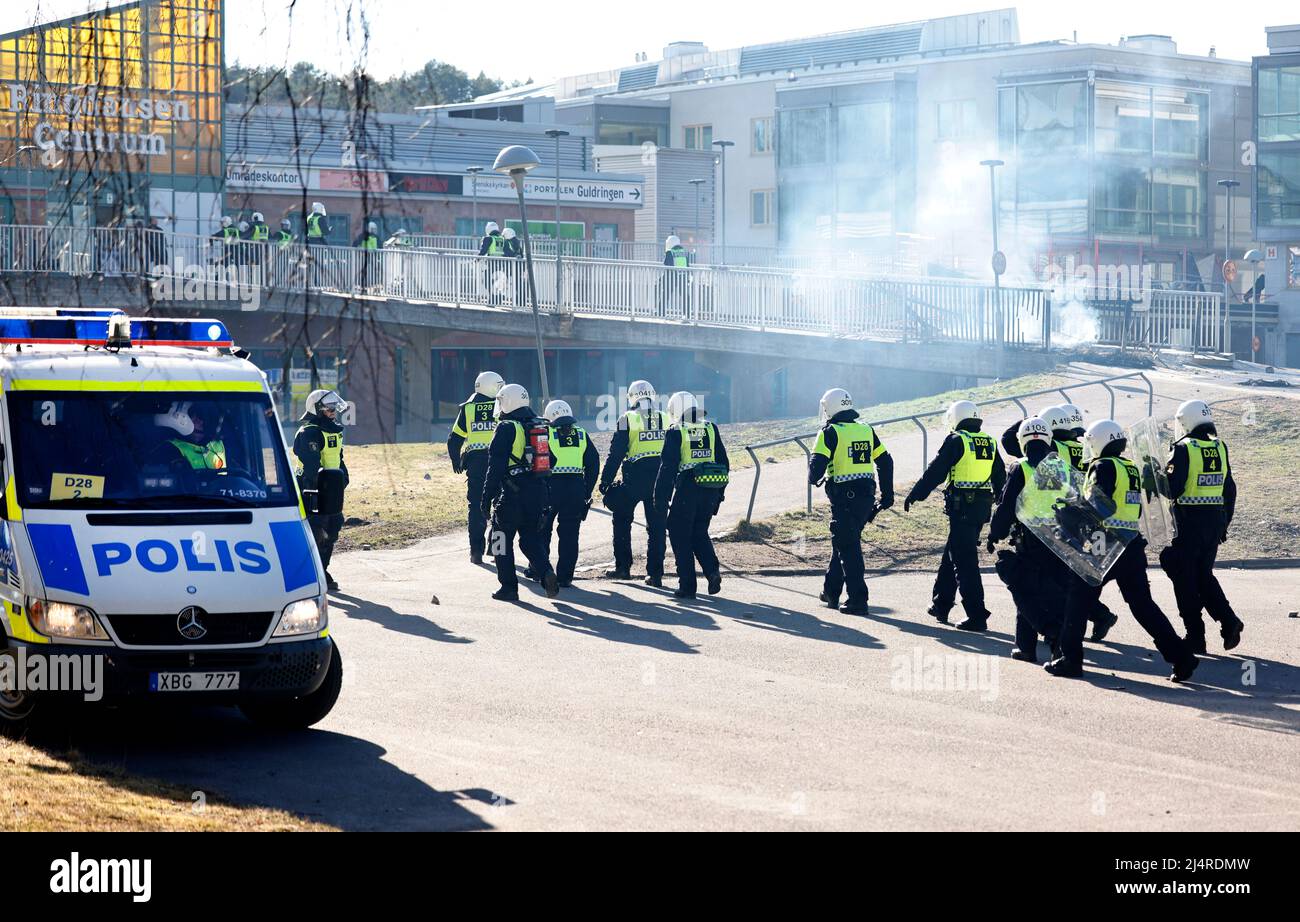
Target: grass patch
{"x":43,"y":793}
{"x":399,"y":494}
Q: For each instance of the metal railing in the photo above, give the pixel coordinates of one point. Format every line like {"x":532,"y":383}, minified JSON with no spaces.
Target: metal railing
{"x":915,"y":419}
{"x":903,"y":257}
{"x":912,"y":310}
{"x":1163,"y":318}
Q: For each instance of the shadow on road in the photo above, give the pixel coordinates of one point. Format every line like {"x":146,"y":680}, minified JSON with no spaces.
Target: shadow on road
{"x":328,"y":777}
{"x":361,"y":609}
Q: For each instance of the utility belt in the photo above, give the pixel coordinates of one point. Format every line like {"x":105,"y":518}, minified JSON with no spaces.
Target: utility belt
{"x":959,"y":502}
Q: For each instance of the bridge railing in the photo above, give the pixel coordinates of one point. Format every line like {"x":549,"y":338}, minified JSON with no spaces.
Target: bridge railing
{"x":1162,"y":318}
{"x":806,"y":439}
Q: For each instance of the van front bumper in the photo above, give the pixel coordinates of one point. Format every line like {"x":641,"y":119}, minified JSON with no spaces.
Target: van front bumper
{"x":282,"y":670}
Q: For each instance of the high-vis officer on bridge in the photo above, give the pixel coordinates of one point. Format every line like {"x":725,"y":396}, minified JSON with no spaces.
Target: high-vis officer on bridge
{"x":515,"y":491}
{"x":1205,"y":498}
{"x":850,"y":458}
{"x":1113,"y":486}
{"x":259,"y":233}
{"x":467,"y":446}
{"x":634,"y":452}
{"x":968,"y":462}
{"x":322,"y":472}
{"x":575,"y":465}
{"x":689,"y":489}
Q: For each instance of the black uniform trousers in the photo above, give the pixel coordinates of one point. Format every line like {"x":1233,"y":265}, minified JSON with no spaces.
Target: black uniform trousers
{"x":475,"y":465}
{"x":1189,"y":563}
{"x":1036,"y":579}
{"x":968,"y":512}
{"x":637,"y":490}
{"x":520,"y":514}
{"x":567,"y":507}
{"x":1130,"y":573}
{"x":325,"y":531}
{"x":693,"y":508}
{"x":853,"y":505}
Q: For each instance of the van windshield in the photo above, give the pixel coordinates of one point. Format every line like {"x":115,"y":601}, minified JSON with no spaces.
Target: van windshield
{"x":112,"y":450}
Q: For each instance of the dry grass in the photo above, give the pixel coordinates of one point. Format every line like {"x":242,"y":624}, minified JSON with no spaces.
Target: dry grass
{"x":399,"y":494}
{"x":43,"y":793}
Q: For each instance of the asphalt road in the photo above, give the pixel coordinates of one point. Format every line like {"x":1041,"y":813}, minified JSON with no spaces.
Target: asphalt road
{"x":615,"y":706}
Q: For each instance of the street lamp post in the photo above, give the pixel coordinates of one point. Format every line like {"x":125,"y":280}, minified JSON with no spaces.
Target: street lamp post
{"x":557,"y":133}
{"x":473,"y":171}
{"x":722,"y":146}
{"x":999,"y":262}
{"x":1228,"y":185}
{"x":515,"y":161}
{"x":1254,"y":257}
{"x":697,"y":183}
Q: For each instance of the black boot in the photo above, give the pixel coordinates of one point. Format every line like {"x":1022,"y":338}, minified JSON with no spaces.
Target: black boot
{"x":616,"y":573}
{"x":715,"y":583}
{"x":937,"y":614}
{"x":1101,"y":627}
{"x":1232,"y":634}
{"x":830,"y":602}
{"x":1184,"y":668}
{"x":655,"y":581}
{"x":1063,"y":668}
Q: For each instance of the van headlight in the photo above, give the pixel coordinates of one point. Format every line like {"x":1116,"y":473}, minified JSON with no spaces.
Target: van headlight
{"x":65,"y":620}
{"x":306,"y":616}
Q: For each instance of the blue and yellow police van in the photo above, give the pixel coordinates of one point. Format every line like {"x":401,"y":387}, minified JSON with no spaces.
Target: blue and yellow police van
{"x":151,"y":520}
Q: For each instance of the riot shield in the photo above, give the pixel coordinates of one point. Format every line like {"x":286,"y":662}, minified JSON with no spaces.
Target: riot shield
{"x":1072,"y":526}
{"x":1148,"y":448}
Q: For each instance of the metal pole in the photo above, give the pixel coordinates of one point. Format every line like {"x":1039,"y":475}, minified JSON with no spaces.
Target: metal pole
{"x":518,"y":176}
{"x":473,"y":172}
{"x":557,"y":133}
{"x":997,"y":274}
{"x":722,"y":199}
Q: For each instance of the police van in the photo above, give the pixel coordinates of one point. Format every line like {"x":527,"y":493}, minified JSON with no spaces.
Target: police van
{"x":151,"y":518}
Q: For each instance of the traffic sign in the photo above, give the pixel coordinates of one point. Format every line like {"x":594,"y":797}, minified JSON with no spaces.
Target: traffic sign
{"x":999,"y":262}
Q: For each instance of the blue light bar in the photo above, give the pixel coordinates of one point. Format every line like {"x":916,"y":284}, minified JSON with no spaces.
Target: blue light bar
{"x":91,"y":329}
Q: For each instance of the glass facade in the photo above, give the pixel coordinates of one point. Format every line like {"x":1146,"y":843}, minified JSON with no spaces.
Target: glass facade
{"x":1134,"y":168}
{"x":1277,"y":126}
{"x":115,"y":116}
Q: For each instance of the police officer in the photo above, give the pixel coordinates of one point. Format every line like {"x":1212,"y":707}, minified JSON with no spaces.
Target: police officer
{"x":689,"y":489}
{"x":259,"y":232}
{"x":318,"y":446}
{"x":634,"y":451}
{"x":1035,"y":576}
{"x":674,"y":283}
{"x":493,"y":246}
{"x":849,"y":457}
{"x":370,"y":239}
{"x":1114,"y":486}
{"x":575,"y":465}
{"x":513,"y":250}
{"x":1065,"y":423}
{"x":515,"y":494}
{"x":317,"y":226}
{"x":195,"y":447}
{"x":284,"y":236}
{"x":228,"y":234}
{"x":1205,"y":497}
{"x":467,"y":445}
{"x":368,"y":271}
{"x":968,"y":461}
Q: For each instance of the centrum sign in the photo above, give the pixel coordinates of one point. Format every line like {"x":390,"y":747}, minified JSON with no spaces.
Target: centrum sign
{"x":586,"y":192}
{"x":86,"y":119}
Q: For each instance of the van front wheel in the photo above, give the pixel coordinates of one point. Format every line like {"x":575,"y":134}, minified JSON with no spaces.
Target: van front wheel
{"x":300,"y":713}
{"x":16,"y":706}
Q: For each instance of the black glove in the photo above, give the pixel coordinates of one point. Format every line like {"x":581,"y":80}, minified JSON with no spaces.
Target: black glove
{"x":886,"y":500}
{"x":988,"y":546}
{"x":604,"y":488}
{"x":1223,"y":537}
{"x":907,"y":503}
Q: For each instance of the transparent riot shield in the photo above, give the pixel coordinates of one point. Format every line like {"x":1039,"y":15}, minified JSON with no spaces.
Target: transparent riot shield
{"x":1148,"y":448}
{"x":1072,"y":525}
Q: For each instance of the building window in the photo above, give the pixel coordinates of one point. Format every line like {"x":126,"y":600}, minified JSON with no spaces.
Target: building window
{"x":1279,"y":104}
{"x":862,"y":133}
{"x":955,"y":119}
{"x":1277,"y":193}
{"x":806,"y":133}
{"x":1293,"y":266}
{"x":697,"y":137}
{"x":760,"y":207}
{"x":761,"y":135}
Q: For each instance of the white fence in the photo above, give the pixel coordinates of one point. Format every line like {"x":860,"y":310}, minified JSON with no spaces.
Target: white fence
{"x":840,"y":304}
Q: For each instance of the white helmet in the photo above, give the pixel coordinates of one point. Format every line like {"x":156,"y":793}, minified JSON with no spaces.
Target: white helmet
{"x":488,"y":383}
{"x":225,"y":220}
{"x":490,"y":227}
{"x":682,"y":403}
{"x":1060,"y":419}
{"x":557,"y":409}
{"x":672,"y":241}
{"x":1047,"y":412}
{"x":1192,"y":413}
{"x":286,"y":223}
{"x":177,"y":419}
{"x":243,"y":227}
{"x":317,"y":208}
{"x":508,"y":233}
{"x":400,"y":232}
{"x":372,"y":228}
{"x":638,"y":391}
{"x":1099,"y":435}
{"x":1073,"y":414}
{"x":321,"y":399}
{"x":835,"y":400}
{"x":1033,"y":430}
{"x":511,"y":397}
{"x":959,"y":410}
{"x":258,"y":217}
